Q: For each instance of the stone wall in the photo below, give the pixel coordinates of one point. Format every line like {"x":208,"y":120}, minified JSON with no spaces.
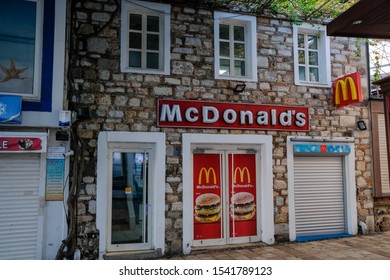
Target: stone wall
{"x":127,"y":102}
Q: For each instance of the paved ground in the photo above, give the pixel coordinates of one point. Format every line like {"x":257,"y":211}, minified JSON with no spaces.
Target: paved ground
{"x":362,"y":247}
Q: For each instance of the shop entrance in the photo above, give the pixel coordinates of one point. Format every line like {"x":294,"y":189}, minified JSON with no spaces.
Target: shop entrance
{"x":130,"y":213}
{"x":225,"y":195}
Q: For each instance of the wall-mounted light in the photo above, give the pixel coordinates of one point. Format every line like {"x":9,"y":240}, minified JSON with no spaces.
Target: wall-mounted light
{"x":361,"y":125}
{"x":239,"y":88}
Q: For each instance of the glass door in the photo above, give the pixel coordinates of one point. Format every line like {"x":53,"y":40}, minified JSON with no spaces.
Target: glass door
{"x":130,"y":209}
{"x":225,"y":196}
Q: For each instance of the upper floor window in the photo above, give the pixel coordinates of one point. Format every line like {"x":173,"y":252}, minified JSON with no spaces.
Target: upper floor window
{"x":235,"y":47}
{"x":21,"y":48}
{"x":145,"y":39}
{"x":311,"y":55}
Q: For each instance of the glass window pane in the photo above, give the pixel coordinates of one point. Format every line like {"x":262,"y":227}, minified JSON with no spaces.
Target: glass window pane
{"x":301,"y":41}
{"x":135,"y":41}
{"x":239,"y":50}
{"x":312,"y":42}
{"x":239,"y":68}
{"x":224,"y":49}
{"x":135,"y":22}
{"x":135,"y":59}
{"x":302,"y":73}
{"x":17,"y":46}
{"x":153,"y":42}
{"x":313,"y":58}
{"x":129,"y":219}
{"x":313,"y":72}
{"x":301,"y":57}
{"x":153,"y":24}
{"x":239,"y":33}
{"x":224,"y":67}
{"x":152,"y":60}
{"x":224,"y":31}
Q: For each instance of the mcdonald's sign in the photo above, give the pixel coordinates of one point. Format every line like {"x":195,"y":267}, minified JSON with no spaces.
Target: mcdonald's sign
{"x":347,"y":90}
{"x":242,"y":172}
{"x":207,"y":172}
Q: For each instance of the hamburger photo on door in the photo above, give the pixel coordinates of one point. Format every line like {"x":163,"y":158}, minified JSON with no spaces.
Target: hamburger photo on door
{"x":208,"y":208}
{"x":243,"y":207}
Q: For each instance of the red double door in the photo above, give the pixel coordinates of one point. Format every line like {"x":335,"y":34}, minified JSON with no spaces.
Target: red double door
{"x":225,"y":196}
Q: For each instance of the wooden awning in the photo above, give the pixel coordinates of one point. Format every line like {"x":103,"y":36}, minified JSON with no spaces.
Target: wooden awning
{"x":365,"y":19}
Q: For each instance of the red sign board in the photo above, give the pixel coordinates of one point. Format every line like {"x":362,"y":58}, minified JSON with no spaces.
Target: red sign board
{"x":200,"y":114}
{"x":20,"y":144}
{"x":347,"y":90}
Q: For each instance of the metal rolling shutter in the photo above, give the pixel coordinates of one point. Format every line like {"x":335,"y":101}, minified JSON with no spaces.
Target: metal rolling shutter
{"x":384,"y":164}
{"x":19,"y":205}
{"x":319,"y":196}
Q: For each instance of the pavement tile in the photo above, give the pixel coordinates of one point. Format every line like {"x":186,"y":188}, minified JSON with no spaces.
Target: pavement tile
{"x":361,"y":247}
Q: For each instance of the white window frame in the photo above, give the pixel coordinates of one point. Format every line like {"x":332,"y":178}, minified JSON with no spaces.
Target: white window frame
{"x":323,"y":54}
{"x":147,"y":8}
{"x":156,"y":140}
{"x":249,"y":23}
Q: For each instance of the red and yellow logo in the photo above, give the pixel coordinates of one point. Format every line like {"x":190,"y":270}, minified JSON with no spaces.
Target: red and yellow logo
{"x":242,"y":172}
{"x":207,"y":173}
{"x":347,"y":90}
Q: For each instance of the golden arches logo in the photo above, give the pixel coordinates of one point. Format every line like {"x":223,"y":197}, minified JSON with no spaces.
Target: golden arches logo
{"x":342,"y":89}
{"x":207,"y":173}
{"x":242,"y":172}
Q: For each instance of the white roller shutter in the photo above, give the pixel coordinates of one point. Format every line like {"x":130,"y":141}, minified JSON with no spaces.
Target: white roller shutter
{"x":383,"y":155}
{"x":19,"y":206}
{"x":319,"y":196}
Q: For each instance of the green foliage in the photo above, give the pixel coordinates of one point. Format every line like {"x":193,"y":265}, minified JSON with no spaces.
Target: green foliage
{"x":295,"y":9}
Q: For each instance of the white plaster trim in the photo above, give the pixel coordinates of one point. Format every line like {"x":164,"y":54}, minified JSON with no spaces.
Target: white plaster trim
{"x":158,"y":188}
{"x":350,"y":184}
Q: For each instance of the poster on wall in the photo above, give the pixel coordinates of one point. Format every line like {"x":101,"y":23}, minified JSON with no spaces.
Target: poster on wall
{"x":242,"y":195}
{"x":55,"y":174}
{"x":207,"y":196}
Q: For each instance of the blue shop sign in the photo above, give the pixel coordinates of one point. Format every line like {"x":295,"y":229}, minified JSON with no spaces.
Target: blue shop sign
{"x":10,"y":109}
{"x":322,"y":148}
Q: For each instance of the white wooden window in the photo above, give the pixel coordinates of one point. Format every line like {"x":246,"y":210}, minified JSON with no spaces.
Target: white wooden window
{"x":311,"y":55}
{"x":145,"y":40}
{"x":235,"y":47}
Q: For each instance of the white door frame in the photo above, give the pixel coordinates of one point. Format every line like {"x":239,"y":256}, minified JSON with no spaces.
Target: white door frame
{"x":349,"y":173}
{"x":157,"y":140}
{"x":266,"y":217}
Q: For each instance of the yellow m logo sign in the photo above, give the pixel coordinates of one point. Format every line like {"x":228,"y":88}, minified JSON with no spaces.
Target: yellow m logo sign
{"x":207,"y":173}
{"x":347,"y":90}
{"x":242,"y":172}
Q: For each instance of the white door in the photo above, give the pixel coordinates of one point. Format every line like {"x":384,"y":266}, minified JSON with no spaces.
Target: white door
{"x":225,"y":196}
{"x":319,"y":196}
{"x":130,"y":213}
{"x":20,"y":206}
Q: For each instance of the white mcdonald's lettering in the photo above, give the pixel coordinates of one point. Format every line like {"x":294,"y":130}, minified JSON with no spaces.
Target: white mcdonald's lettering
{"x":173,"y":115}
{"x":342,"y":89}
{"x":210,"y":115}
{"x":206,"y":111}
{"x":242,"y":171}
{"x":207,"y":173}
